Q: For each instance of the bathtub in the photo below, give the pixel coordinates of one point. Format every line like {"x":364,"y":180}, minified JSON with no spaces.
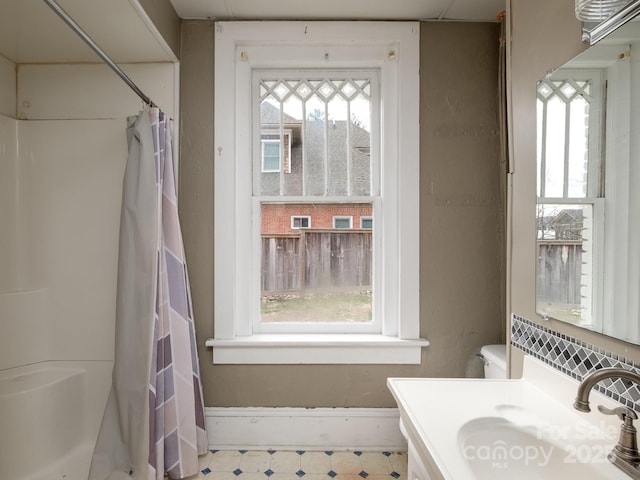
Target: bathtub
{"x":43,"y":423}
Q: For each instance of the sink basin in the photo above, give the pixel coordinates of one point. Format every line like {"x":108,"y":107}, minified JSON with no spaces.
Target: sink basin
{"x":498,"y":448}
{"x":464,"y":429}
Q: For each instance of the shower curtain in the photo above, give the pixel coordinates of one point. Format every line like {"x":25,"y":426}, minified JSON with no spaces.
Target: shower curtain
{"x":154,"y":419}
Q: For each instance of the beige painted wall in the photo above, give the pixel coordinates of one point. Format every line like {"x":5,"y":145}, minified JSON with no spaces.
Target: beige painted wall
{"x":462,"y":217}
{"x":544,"y":35}
{"x":166,"y":20}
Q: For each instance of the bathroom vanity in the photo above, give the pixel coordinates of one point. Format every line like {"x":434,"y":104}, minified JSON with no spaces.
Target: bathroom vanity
{"x":504,"y":429}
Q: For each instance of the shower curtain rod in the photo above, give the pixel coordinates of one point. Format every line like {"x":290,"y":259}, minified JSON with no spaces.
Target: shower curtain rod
{"x":101,"y":53}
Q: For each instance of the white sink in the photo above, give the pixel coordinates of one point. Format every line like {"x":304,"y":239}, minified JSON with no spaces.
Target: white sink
{"x":464,"y":429}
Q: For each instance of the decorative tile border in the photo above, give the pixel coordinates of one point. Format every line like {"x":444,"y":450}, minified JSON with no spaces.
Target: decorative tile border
{"x":575,"y":358}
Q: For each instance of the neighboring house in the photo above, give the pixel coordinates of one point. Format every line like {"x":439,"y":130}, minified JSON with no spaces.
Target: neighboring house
{"x":290,"y":218}
{"x":306,"y":173}
{"x":567,"y":224}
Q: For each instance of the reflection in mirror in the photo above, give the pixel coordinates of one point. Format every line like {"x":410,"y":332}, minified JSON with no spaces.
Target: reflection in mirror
{"x":588,"y":173}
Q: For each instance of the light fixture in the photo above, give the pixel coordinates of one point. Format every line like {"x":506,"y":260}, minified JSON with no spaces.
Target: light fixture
{"x":595,"y":11}
{"x":594,"y":31}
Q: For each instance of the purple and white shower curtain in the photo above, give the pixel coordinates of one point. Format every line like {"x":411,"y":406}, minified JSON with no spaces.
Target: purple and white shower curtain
{"x":154,"y":418}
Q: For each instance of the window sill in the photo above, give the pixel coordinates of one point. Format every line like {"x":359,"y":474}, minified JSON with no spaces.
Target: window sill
{"x":316,"y":349}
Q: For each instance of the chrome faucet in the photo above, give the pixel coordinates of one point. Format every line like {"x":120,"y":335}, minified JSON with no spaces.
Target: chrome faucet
{"x":625,"y":454}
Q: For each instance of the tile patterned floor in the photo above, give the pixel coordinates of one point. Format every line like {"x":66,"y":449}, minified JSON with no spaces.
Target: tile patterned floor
{"x":301,"y":465}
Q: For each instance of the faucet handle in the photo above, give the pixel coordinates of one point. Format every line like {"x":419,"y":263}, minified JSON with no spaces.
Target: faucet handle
{"x":622,"y":412}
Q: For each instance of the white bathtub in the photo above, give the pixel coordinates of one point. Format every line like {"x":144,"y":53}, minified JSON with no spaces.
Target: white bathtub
{"x":43,"y":426}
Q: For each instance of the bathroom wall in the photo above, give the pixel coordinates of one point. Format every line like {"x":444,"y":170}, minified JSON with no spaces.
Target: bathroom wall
{"x":7,"y":87}
{"x":165,"y":19}
{"x":65,"y":156}
{"x":462,"y":216}
{"x":8,"y":157}
{"x":545,"y":34}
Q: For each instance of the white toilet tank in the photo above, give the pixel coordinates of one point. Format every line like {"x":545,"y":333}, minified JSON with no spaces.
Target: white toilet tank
{"x":495,"y":361}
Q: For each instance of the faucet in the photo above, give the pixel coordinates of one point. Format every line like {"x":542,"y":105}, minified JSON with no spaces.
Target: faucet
{"x":625,"y":454}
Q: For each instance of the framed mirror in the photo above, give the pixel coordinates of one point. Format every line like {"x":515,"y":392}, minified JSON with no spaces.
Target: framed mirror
{"x":588,"y":188}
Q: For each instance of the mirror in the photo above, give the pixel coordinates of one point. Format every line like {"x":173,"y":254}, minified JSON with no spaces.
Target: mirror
{"x":588,"y":188}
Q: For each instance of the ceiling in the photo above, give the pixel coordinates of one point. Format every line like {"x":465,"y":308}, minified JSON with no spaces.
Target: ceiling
{"x":470,"y":10}
{"x":30,"y":32}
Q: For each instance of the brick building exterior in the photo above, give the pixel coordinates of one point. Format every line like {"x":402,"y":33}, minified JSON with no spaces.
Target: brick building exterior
{"x":277,"y":218}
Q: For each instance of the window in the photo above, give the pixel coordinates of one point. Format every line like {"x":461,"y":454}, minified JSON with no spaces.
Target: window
{"x":570,"y":214}
{"x":366,"y":222}
{"x":271,"y":155}
{"x":274,"y":149}
{"x":342,"y":222}
{"x":313,"y":91}
{"x":300,"y":222}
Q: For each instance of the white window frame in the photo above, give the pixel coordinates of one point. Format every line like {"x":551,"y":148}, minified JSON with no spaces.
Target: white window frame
{"x":622,"y":226}
{"x":391,"y":47}
{"x":264,"y":141}
{"x":301,"y":217}
{"x":342,"y":217}
{"x":363,"y":218}
{"x":285,"y":149}
{"x":593,"y":253}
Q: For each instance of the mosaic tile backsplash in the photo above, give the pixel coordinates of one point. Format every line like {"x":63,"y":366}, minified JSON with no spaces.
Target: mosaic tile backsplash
{"x":575,"y":358}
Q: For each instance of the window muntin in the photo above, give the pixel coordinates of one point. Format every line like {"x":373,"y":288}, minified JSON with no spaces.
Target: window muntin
{"x":300,"y":222}
{"x":330,"y":119}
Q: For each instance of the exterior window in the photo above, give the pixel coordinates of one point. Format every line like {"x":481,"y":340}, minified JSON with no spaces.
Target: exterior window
{"x":366,"y":222}
{"x":270,"y":155}
{"x":570,"y":204}
{"x":342,"y":222}
{"x":298,"y":133}
{"x":274,"y":149}
{"x":319,"y":281}
{"x":300,"y":222}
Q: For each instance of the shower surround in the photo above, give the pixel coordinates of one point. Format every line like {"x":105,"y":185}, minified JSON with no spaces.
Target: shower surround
{"x":63,"y":151}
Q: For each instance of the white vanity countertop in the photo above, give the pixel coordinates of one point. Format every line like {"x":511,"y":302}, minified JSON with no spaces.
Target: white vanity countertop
{"x":438,"y":414}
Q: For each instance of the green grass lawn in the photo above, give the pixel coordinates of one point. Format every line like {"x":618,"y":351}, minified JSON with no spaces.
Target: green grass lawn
{"x":317,"y":307}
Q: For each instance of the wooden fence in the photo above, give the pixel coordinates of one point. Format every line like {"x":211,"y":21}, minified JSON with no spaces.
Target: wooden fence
{"x":316,"y":259}
{"x":559,"y":271}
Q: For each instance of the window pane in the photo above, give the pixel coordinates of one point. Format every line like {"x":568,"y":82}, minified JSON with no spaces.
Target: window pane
{"x":338,"y":154}
{"x":270,"y":129}
{"x":271,"y":156}
{"x":555,"y":145}
{"x":315,"y":275}
{"x":564,"y":283}
{"x":564,"y":109}
{"x":578,"y":148}
{"x":539,"y":141}
{"x":360,"y":109}
{"x":315,"y":147}
{"x":299,"y":222}
{"x":324,"y":125}
{"x":329,"y":123}
{"x":342,"y":222}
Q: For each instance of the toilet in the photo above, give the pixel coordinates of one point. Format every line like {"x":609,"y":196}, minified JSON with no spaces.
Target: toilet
{"x":495,"y":360}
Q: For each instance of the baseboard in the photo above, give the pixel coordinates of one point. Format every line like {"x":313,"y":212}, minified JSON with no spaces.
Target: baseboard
{"x":366,"y":429}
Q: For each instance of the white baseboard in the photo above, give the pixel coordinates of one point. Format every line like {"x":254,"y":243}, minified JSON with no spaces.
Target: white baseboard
{"x":367,"y":429}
